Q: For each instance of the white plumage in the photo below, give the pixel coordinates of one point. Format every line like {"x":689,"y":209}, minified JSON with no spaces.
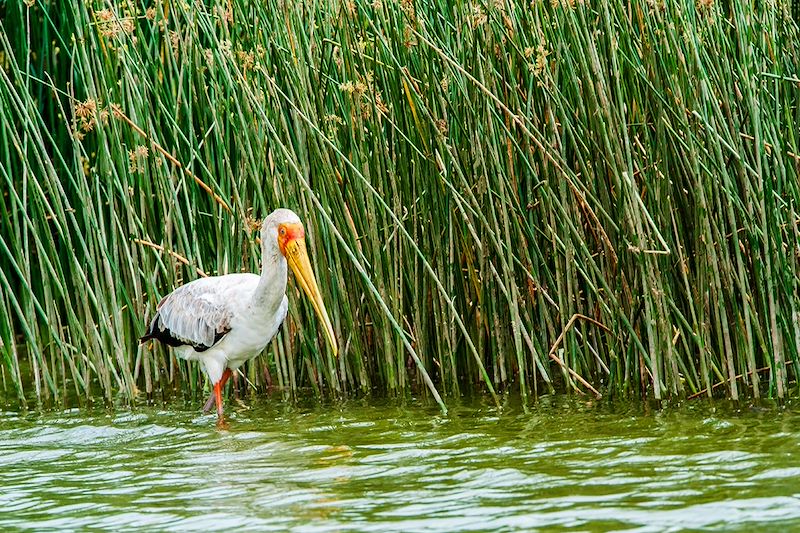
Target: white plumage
{"x":222,"y":313}
{"x":223,"y":321}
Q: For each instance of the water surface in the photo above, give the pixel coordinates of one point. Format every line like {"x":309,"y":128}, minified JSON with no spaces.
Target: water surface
{"x":382,"y":466}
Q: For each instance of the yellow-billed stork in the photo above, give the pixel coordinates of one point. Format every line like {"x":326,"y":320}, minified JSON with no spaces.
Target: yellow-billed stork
{"x":223,"y":321}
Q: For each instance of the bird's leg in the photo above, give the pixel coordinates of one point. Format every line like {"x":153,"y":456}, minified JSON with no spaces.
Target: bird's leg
{"x":218,"y":396}
{"x":213,"y":398}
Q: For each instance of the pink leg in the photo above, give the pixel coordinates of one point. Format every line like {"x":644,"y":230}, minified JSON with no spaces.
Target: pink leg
{"x":218,"y":396}
{"x":213,"y":398}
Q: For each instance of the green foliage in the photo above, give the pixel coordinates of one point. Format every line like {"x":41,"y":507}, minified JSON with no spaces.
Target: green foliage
{"x":536,"y":197}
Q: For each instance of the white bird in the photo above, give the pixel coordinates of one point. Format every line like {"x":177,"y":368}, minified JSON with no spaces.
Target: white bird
{"x":223,"y":321}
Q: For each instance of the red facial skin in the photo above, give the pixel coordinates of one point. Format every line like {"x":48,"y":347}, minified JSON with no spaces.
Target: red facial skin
{"x":288,"y":233}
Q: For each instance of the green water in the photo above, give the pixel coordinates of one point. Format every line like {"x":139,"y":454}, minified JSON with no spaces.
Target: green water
{"x":371,"y":466}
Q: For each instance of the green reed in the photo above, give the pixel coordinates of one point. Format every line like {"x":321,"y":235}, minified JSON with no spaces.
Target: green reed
{"x":594,"y":197}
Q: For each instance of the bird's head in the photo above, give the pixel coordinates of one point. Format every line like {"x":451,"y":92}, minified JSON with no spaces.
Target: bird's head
{"x":284,"y":229}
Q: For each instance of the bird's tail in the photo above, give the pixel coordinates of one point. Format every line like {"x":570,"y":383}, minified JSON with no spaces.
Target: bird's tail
{"x":150,"y":333}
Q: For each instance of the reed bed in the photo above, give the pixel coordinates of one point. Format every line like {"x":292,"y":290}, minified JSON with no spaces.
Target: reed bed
{"x":595,"y":197}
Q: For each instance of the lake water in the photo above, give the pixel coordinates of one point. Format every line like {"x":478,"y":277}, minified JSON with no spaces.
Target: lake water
{"x":387,"y":466}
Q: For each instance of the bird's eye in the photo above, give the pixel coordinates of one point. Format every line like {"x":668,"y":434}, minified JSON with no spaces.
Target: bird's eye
{"x":283,"y":232}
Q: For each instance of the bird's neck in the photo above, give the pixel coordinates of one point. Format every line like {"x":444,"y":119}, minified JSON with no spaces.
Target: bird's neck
{"x":272,"y":286}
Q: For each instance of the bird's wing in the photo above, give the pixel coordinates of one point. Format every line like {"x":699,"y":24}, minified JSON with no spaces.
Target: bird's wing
{"x":199,"y":313}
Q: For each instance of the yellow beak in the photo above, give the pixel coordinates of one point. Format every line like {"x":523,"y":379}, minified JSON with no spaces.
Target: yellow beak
{"x":297,"y":256}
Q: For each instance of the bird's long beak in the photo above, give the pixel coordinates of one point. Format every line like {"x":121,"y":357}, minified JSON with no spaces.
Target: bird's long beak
{"x":297,"y":256}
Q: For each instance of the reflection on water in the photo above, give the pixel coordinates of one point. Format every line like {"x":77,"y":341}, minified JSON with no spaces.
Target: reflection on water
{"x":384,"y":467}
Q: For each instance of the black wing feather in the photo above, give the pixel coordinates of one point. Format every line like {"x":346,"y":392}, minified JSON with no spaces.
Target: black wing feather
{"x":160,"y":332}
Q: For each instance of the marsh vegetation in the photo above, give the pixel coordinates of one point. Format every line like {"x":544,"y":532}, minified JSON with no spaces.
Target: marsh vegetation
{"x":599,"y":197}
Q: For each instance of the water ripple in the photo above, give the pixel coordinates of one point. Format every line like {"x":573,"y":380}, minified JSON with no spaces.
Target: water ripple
{"x":387,"y":468}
